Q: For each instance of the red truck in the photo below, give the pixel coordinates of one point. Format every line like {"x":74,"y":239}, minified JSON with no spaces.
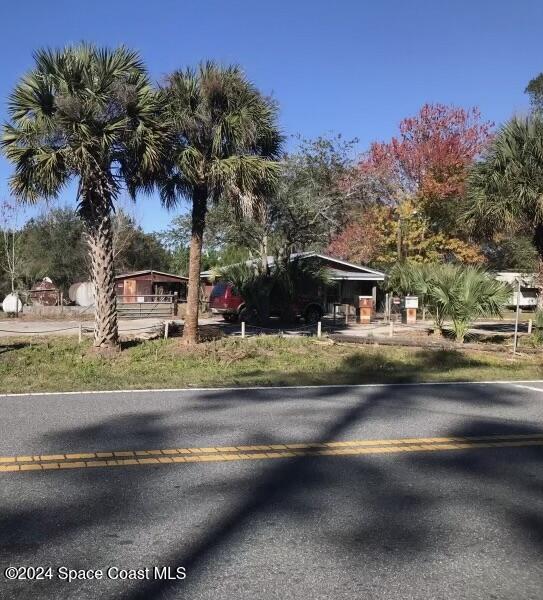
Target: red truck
{"x":226,"y":301}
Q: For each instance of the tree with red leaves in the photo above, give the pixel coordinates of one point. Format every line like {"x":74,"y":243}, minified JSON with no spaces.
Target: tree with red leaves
{"x":425,"y":166}
{"x":431,"y":156}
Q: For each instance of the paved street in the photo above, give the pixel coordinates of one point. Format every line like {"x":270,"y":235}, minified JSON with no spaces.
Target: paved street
{"x":436,"y":494}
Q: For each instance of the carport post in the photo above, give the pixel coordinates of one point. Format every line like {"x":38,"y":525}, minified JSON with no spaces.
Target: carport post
{"x":243,"y":329}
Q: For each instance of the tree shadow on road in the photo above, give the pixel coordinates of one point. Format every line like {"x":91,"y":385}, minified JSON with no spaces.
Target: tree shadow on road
{"x":392,"y":505}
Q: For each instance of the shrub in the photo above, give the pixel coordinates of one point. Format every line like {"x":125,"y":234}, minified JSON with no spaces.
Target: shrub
{"x":450,"y":291}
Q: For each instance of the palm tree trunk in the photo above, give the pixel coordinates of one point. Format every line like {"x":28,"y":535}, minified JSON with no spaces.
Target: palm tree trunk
{"x":264,"y":253}
{"x":538,"y":238}
{"x":95,"y":192}
{"x":199,"y":209}
{"x":100,"y":241}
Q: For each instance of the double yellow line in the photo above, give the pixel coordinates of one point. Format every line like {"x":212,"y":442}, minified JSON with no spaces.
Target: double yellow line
{"x":83,"y":460}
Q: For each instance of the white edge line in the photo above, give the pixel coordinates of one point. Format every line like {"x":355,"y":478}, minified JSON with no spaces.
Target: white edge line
{"x":515,"y":383}
{"x":527,"y":387}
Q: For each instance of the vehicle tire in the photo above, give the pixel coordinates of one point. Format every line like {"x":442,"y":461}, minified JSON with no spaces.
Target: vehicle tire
{"x":249,"y":315}
{"x":229,"y":318}
{"x":313,"y":314}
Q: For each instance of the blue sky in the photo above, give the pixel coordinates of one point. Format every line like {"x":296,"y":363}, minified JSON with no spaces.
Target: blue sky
{"x":355,"y":67}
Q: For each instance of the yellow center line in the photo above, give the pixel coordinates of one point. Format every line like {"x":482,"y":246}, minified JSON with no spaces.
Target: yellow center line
{"x":115,"y":458}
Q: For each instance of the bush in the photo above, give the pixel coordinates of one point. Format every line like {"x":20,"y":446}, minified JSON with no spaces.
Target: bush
{"x":450,"y":291}
{"x":278,"y":286}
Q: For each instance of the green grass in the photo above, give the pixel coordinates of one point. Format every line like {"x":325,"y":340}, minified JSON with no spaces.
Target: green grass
{"x":63,"y":365}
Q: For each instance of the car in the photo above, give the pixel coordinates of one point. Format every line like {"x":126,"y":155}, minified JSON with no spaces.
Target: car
{"x":226,"y":300}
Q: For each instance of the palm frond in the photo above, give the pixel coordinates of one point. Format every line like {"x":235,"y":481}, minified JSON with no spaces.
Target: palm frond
{"x":506,"y":187}
{"x":83,"y":109}
{"x":225,"y":135}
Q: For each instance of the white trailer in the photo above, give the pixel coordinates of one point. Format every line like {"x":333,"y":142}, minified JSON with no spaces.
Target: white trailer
{"x":529,"y":291}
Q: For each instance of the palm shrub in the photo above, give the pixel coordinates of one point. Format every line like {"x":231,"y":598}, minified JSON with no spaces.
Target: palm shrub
{"x":464,"y":294}
{"x":406,"y":279}
{"x":226,"y":144}
{"x":280,"y":285}
{"x":253,"y":285}
{"x":92,"y":115}
{"x":297,"y":277}
{"x":537,"y":335}
{"x":451,"y":291}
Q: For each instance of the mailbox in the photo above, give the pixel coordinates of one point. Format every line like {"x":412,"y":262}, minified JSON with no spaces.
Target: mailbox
{"x":365,"y":306}
{"x":409,"y":309}
{"x":411,"y":302}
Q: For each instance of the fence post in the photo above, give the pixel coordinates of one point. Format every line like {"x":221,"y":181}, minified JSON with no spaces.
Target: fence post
{"x":175,"y":303}
{"x":80,"y":332}
{"x":529,"y":325}
{"x":391,"y":329}
{"x":243,"y":329}
{"x":319,"y":329}
{"x":166,"y":329}
{"x":346,"y":314}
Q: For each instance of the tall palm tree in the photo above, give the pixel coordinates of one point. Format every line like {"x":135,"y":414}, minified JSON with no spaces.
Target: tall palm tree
{"x":505,"y":190}
{"x":226,"y":146}
{"x":89,"y":114}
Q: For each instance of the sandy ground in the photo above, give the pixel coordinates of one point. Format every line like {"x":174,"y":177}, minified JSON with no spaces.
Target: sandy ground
{"x":137,"y":327}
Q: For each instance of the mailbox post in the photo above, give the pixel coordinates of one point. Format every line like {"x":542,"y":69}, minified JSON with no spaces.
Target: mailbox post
{"x":365,"y":305}
{"x":409,"y":309}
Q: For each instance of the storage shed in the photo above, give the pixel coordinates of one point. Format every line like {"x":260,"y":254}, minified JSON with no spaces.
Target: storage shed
{"x":149,"y":286}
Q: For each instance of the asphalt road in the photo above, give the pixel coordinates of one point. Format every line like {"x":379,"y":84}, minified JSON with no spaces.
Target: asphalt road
{"x":447,"y":524}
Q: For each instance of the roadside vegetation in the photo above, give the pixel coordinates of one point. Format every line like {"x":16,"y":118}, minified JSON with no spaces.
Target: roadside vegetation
{"x":458,"y":293}
{"x":440,"y":206}
{"x":91,"y":115}
{"x":64,"y":365}
{"x":263,"y":286}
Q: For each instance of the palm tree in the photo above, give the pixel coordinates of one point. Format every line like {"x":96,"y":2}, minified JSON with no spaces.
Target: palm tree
{"x":464,"y":294}
{"x":226,"y":146}
{"x":505,"y":189}
{"x":451,"y":291}
{"x":89,"y":114}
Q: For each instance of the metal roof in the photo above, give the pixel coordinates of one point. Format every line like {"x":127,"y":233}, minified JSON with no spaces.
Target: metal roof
{"x":150,"y":271}
{"x":358,"y":272}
